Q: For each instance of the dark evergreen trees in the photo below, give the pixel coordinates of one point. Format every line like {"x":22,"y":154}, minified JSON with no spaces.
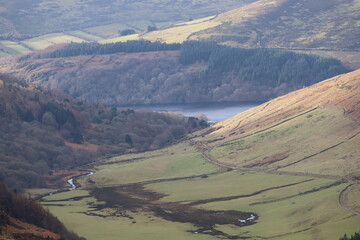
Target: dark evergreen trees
{"x":263,"y":66}
{"x":76,"y":49}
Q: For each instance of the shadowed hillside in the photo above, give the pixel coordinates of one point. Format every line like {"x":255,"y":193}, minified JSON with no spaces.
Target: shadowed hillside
{"x":42,"y":131}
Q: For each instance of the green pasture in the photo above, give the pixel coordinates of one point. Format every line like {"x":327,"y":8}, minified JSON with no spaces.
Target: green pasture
{"x":178,"y":34}
{"x":84,"y":35}
{"x":315,"y":215}
{"x":140,"y":25}
{"x":11,"y":47}
{"x":301,"y":137}
{"x":44,"y":41}
{"x":155,"y":165}
{"x":107,"y":31}
{"x":289,"y":207}
{"x":236,"y":183}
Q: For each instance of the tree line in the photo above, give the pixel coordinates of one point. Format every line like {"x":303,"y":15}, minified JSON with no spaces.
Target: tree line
{"x":133,"y":46}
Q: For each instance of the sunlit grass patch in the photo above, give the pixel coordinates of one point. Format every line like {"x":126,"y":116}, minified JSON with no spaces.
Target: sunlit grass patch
{"x":310,"y":216}
{"x":11,"y":47}
{"x":178,"y":34}
{"x":176,"y":161}
{"x":84,"y":35}
{"x":44,"y":41}
{"x":107,"y":31}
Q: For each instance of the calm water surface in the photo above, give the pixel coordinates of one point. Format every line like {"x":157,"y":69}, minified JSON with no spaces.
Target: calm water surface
{"x":213,"y":111}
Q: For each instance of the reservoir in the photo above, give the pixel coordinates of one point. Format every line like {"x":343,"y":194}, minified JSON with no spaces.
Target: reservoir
{"x":213,"y":111}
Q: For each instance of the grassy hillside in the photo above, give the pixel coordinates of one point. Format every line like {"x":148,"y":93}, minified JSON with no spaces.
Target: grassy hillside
{"x":44,"y":133}
{"x":287,"y":169}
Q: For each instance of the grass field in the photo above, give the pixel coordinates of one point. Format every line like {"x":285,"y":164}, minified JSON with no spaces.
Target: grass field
{"x":42,"y":42}
{"x":11,"y":47}
{"x":107,"y":31}
{"x":86,"y":36}
{"x":161,"y":194}
{"x":180,"y":33}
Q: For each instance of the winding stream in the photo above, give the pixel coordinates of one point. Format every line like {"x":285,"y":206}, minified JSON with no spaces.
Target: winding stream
{"x":71,"y":180}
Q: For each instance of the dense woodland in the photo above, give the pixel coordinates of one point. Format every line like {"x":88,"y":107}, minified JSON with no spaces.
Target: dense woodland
{"x":29,"y":211}
{"x":42,"y":131}
{"x":199,"y":72}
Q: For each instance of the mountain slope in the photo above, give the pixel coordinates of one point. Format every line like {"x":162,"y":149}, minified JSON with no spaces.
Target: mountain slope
{"x":290,"y":24}
{"x":314,"y":130}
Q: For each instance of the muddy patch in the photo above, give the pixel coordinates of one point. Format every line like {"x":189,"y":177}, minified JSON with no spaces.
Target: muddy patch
{"x":135,"y":198}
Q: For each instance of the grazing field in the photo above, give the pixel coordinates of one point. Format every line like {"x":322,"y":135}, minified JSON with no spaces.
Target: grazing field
{"x":42,"y":42}
{"x":107,"y":31}
{"x":176,"y":192}
{"x":180,"y":33}
{"x":11,"y":47}
{"x":86,"y":36}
